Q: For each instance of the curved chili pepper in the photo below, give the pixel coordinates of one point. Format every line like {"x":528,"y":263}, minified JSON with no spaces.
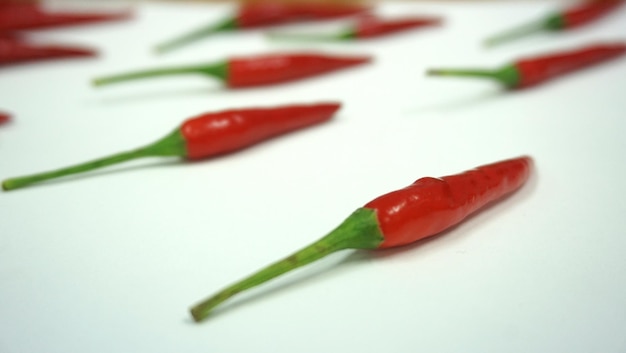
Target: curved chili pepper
{"x":422,"y":209}
{"x":531,"y":71}
{"x":262,"y":14}
{"x":206,"y":135}
{"x":250,"y":71}
{"x":21,"y":16}
{"x":366,"y":27}
{"x":570,"y":18}
{"x":13,"y":50}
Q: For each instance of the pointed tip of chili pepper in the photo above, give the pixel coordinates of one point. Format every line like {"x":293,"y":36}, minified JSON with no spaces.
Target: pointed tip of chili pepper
{"x":344,"y":61}
{"x":4,"y":118}
{"x":24,"y":51}
{"x":94,"y":17}
{"x":77,"y":51}
{"x":354,"y":60}
{"x":33,"y":15}
{"x":327,"y":109}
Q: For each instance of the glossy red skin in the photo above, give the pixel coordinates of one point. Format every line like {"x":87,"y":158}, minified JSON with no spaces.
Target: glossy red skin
{"x":371,"y":26}
{"x":431,"y":205}
{"x":271,"y":13}
{"x":21,"y":16}
{"x":589,"y":12}
{"x":536,"y":70}
{"x":14,"y":50}
{"x":222,"y":132}
{"x":277,"y":68}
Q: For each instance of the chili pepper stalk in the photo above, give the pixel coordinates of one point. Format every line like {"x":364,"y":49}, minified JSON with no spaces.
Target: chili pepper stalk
{"x":574,"y":17}
{"x":359,"y":231}
{"x":251,"y":71}
{"x":531,"y":71}
{"x":205,"y":136}
{"x":226,"y":25}
{"x":424,"y":208}
{"x":216,"y":70}
{"x":507,"y":75}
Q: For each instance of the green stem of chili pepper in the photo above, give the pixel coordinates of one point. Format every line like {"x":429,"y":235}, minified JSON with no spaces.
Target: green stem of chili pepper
{"x":341,"y":36}
{"x":171,"y":145}
{"x":217,"y":70}
{"x":507,"y":75}
{"x":359,"y":231}
{"x":550,"y":23}
{"x":200,"y":33}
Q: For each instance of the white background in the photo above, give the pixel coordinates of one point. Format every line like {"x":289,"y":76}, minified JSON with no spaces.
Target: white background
{"x":110,"y":261}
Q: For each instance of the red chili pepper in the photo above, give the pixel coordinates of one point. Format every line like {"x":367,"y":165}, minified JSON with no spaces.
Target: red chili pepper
{"x":250,"y":71}
{"x":570,"y":18}
{"x":422,"y":209}
{"x":262,"y":14}
{"x":205,"y":136}
{"x":4,"y":118}
{"x":531,"y":71}
{"x":14,"y":49}
{"x":22,"y":16}
{"x":366,"y":27}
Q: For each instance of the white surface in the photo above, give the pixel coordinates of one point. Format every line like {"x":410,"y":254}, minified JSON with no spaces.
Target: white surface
{"x":110,"y":261}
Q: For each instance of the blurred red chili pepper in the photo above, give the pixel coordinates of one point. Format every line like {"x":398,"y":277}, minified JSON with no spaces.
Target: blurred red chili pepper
{"x":535,"y":70}
{"x":4,"y":118}
{"x":250,"y":71}
{"x":14,"y":49}
{"x":573,"y":17}
{"x":422,"y":209}
{"x":22,"y":16}
{"x":264,"y":13}
{"x":205,"y":136}
{"x":366,"y":27}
